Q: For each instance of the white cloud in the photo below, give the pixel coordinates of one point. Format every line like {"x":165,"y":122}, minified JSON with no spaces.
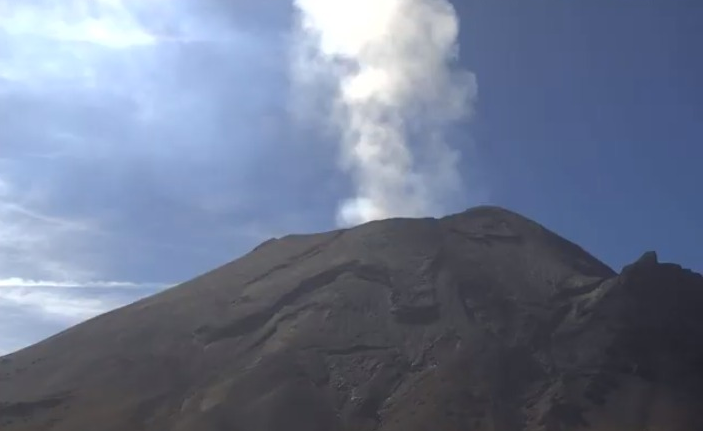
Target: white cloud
{"x":32,"y":310}
{"x":115,"y":49}
{"x":46,"y":267}
{"x":23,"y":283}
{"x":4,"y":188}
{"x":57,"y":304}
{"x":109,"y":24}
{"x":94,"y":187}
{"x":34,"y":244}
{"x":397,"y":90}
{"x":71,"y":302}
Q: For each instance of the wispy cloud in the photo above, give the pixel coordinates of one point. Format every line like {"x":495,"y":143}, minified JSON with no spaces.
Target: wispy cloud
{"x":123,"y":50}
{"x":32,"y":310}
{"x":140,"y":140}
{"x":72,"y":302}
{"x":46,"y":267}
{"x":113,"y":24}
{"x":35,"y":244}
{"x":110,"y":24}
{"x":22,"y":283}
{"x":55,"y":304}
{"x":93,"y":95}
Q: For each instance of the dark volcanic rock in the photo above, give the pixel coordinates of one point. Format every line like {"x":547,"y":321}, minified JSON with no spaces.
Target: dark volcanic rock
{"x":479,"y":321}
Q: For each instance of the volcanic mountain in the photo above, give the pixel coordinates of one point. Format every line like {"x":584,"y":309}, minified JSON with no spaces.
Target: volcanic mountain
{"x":480,"y":321}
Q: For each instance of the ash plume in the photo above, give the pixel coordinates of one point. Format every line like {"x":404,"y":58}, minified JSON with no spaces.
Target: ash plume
{"x":396,"y":90}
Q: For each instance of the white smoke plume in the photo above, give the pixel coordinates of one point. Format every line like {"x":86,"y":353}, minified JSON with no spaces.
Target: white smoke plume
{"x":397,"y":89}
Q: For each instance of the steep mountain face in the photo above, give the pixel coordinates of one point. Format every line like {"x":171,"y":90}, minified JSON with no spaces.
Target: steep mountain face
{"x":479,"y":321}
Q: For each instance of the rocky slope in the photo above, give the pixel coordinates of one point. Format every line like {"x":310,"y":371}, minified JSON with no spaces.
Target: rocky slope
{"x":479,"y":321}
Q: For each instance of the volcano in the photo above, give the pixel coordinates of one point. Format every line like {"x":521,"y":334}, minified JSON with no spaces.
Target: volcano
{"x":479,"y":321}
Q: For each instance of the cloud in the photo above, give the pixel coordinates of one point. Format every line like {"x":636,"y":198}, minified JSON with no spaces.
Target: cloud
{"x":33,"y":310}
{"x":122,"y":51}
{"x":23,"y":283}
{"x":141,"y":140}
{"x":48,"y":266}
{"x":55,"y":304}
{"x":70,"y":302}
{"x":36,"y":244}
{"x":391,"y":65}
{"x":107,"y":23}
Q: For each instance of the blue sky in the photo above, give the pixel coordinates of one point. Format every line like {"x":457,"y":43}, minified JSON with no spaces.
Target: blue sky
{"x":589,"y":120}
{"x":138,"y":156}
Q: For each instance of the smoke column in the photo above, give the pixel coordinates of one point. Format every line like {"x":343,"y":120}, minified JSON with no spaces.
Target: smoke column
{"x":396,"y":91}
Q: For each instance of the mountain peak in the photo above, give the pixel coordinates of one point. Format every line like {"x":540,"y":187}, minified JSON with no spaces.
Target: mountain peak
{"x":481,"y":320}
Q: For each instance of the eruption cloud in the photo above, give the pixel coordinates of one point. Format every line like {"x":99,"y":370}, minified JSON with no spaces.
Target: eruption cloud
{"x":392,"y":64}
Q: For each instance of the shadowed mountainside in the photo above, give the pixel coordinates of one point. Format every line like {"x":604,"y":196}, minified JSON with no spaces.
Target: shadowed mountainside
{"x":480,"y":321}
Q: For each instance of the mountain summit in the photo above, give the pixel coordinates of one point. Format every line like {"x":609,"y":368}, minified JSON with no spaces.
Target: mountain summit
{"x":481,"y":321}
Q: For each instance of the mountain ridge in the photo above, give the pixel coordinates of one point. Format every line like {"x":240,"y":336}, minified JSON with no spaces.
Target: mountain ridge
{"x":374,"y":328}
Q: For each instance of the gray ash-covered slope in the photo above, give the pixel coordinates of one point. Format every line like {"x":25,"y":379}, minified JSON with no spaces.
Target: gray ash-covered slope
{"x":479,"y":321}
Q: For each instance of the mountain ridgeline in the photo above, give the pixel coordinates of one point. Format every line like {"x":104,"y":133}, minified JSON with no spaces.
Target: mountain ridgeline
{"x":480,"y":321}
